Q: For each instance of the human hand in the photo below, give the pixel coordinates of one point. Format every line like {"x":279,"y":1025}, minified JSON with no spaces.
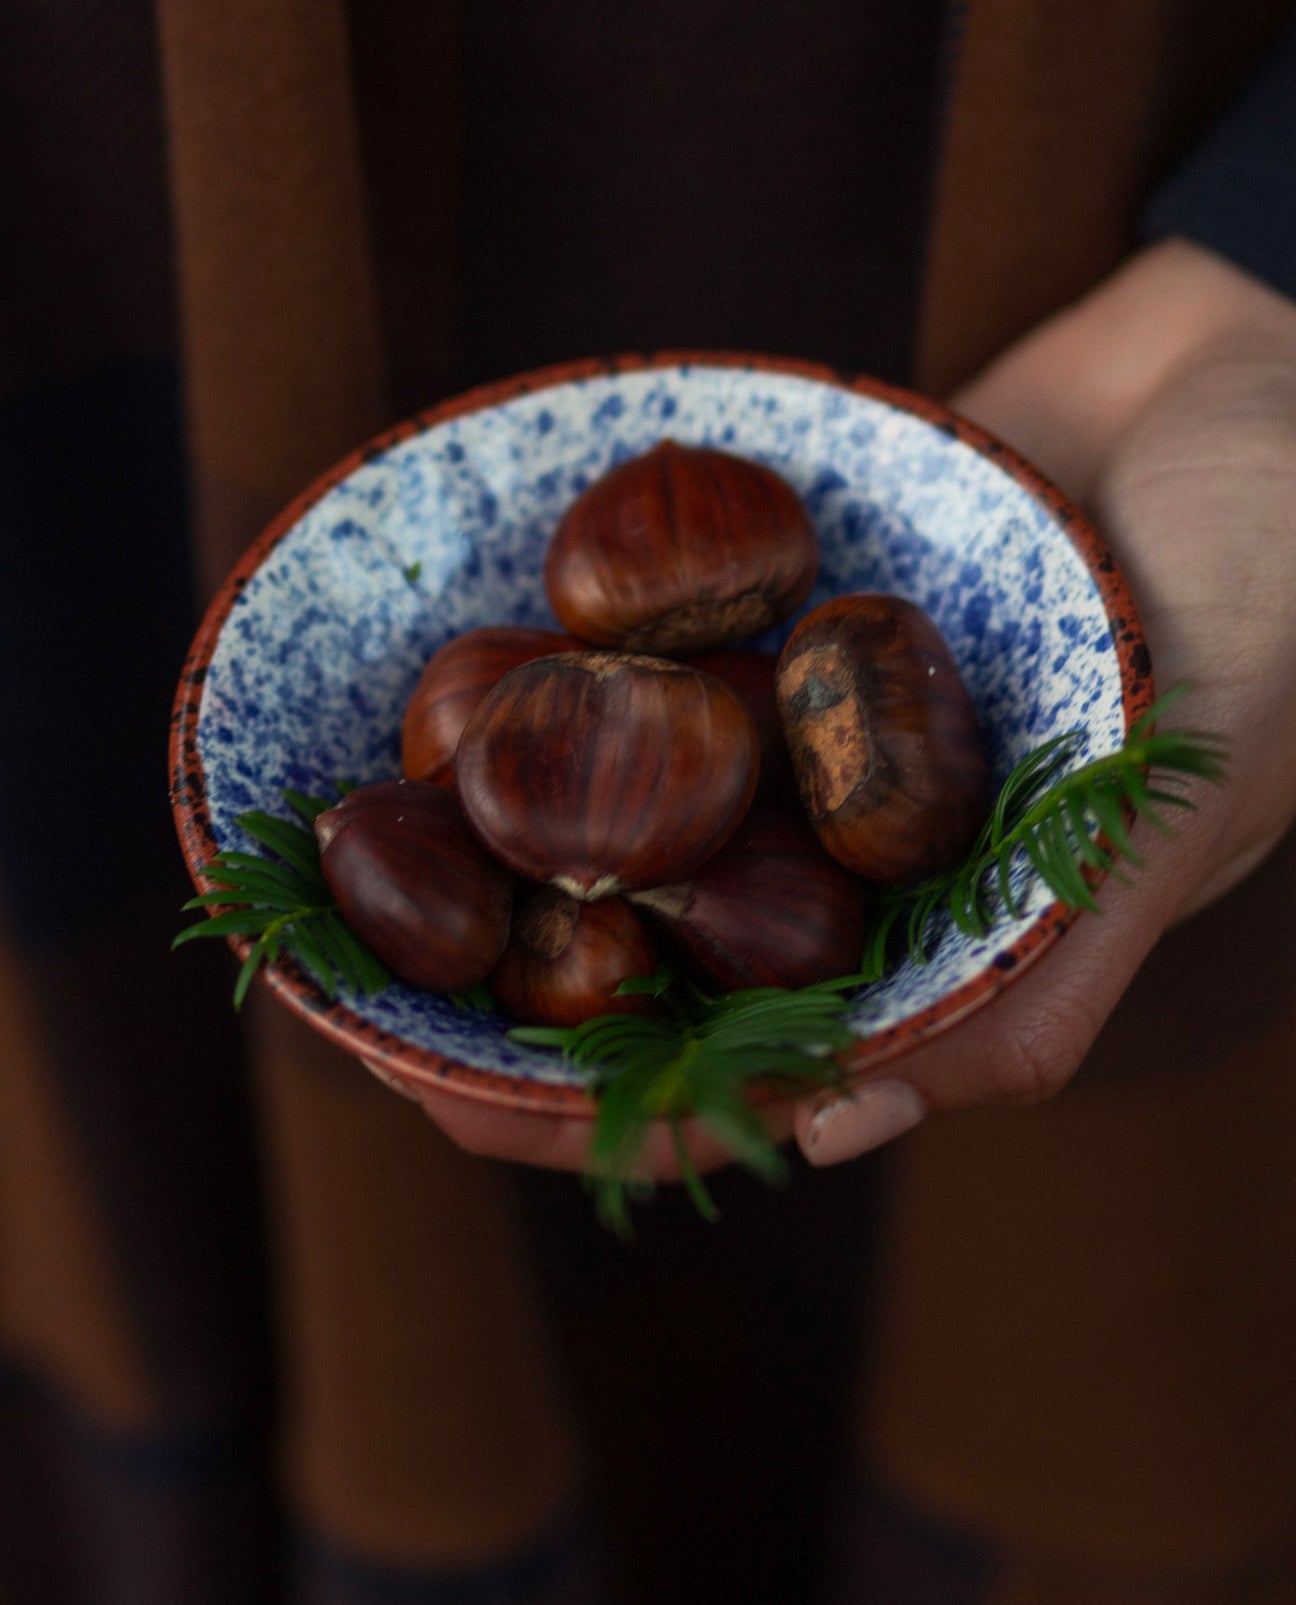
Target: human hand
{"x":1165,"y":403}
{"x":562,"y":1141}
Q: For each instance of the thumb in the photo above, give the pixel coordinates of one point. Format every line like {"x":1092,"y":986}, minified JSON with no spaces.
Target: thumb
{"x":1027,"y":1044}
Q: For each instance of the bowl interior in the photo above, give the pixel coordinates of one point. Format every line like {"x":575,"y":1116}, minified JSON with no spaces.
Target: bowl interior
{"x":321,"y":645}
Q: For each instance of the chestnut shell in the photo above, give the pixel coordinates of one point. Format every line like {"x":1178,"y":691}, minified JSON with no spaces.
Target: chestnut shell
{"x":599,"y":771}
{"x":455,"y":679}
{"x":680,"y":551}
{"x":883,"y":736}
{"x":414,"y":883}
{"x":565,"y":960}
{"x":749,"y":674}
{"x":770,"y":909}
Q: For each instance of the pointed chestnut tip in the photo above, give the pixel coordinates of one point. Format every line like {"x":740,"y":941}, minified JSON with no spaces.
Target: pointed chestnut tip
{"x":327,"y":826}
{"x":589,"y":888}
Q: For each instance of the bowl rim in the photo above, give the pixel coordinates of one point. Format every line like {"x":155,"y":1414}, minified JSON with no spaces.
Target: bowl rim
{"x":408,"y":1066}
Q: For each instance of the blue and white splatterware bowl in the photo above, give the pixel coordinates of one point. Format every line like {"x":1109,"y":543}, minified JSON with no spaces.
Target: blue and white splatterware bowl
{"x":304,"y":663}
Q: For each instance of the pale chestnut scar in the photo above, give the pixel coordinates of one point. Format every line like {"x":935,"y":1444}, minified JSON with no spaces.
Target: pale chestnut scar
{"x":831,"y":734}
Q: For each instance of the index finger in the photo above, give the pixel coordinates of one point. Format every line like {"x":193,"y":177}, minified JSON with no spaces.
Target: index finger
{"x":1025,"y":1046}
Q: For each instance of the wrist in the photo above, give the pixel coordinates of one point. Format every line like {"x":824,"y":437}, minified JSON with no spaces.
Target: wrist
{"x":1129,"y":337}
{"x":1067,"y":393}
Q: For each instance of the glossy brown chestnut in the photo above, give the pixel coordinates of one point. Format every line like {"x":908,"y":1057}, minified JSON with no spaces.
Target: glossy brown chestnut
{"x":565,"y":960}
{"x":454,"y":681}
{"x":770,"y":909}
{"x":750,"y":676}
{"x":679,"y":551}
{"x":599,"y":771}
{"x":414,"y":883}
{"x":883,"y":736}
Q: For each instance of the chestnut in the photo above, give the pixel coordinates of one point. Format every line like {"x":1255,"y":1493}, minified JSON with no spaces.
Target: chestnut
{"x":454,"y":681}
{"x":414,"y":883}
{"x":681,"y":550}
{"x":884,"y":737}
{"x":565,"y":960}
{"x":770,"y":909}
{"x":750,"y":676}
{"x":599,"y":771}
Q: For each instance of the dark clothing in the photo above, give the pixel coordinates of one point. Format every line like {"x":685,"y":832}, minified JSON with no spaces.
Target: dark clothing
{"x":673,"y":176}
{"x":1235,"y":191}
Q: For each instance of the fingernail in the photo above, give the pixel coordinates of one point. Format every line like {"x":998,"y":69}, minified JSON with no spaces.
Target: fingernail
{"x":872,"y":1115}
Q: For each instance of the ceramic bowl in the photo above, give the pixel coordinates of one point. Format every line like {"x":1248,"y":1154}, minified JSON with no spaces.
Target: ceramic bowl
{"x":300,"y":672}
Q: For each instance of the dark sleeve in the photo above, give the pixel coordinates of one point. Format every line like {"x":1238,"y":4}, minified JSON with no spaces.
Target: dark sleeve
{"x":1236,"y":193}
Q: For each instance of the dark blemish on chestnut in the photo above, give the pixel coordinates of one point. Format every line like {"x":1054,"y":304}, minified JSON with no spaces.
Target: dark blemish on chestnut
{"x":813,"y":696}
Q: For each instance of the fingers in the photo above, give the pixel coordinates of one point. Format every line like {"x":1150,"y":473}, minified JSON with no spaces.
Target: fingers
{"x":1021,"y":1049}
{"x":553,"y":1142}
{"x":1028,"y":1044}
{"x":561,"y":1142}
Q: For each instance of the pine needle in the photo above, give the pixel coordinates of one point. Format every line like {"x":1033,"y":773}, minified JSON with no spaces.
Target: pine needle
{"x":1067,"y":827}
{"x":284,"y":902}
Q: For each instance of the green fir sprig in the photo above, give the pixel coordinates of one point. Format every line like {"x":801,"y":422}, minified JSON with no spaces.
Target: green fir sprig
{"x":698,"y":1059}
{"x":1069,"y":827}
{"x":286,"y":904}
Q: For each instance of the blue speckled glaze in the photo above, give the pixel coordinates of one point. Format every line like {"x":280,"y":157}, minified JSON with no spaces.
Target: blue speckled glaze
{"x":324,"y":645}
